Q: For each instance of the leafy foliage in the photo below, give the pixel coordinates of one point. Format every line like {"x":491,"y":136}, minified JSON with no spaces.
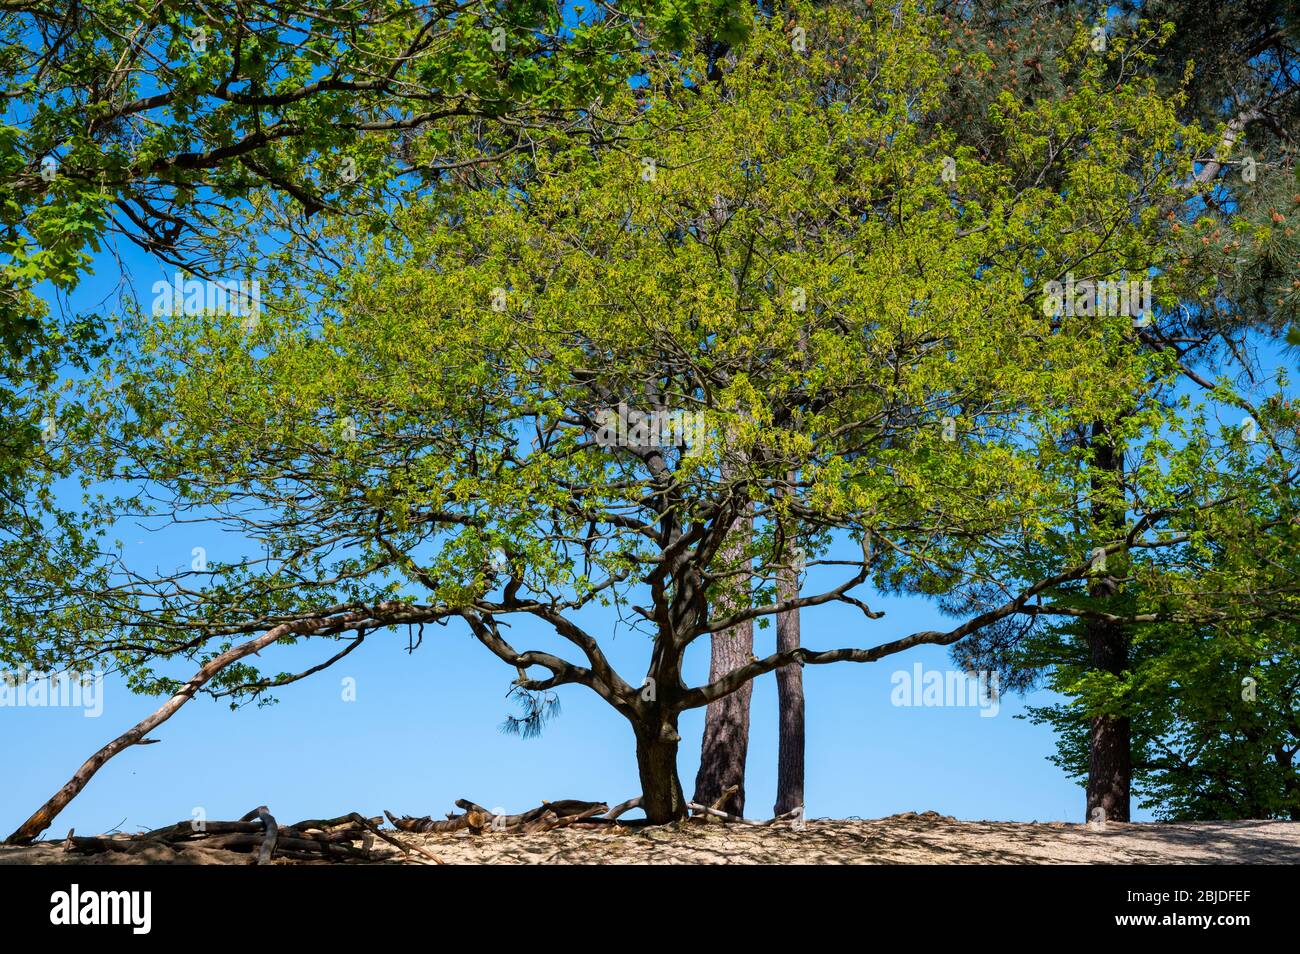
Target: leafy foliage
{"x":175,"y":125}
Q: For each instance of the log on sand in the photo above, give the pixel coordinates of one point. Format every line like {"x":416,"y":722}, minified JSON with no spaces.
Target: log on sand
{"x":258,"y":834}
{"x":563,"y":814}
{"x":477,"y":819}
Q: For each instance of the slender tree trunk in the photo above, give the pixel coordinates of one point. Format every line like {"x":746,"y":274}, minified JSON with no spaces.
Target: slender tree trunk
{"x":726,"y":721}
{"x":1110,"y":765}
{"x":1110,"y":758}
{"x":656,"y":759}
{"x":1290,"y":782}
{"x":789,"y":693}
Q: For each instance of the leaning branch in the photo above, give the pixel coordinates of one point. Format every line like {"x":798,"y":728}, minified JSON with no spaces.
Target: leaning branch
{"x":382,"y":614}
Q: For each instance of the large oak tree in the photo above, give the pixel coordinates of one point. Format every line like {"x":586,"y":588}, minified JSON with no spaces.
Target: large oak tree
{"x":855,"y":336}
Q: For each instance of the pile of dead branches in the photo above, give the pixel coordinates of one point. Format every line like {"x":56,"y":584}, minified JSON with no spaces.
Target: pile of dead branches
{"x":352,"y":837}
{"x":567,"y":813}
{"x":348,"y":838}
{"x":474,"y":818}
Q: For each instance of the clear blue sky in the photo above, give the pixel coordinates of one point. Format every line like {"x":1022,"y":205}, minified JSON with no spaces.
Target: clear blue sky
{"x":425,"y":728}
{"x":424,"y":731}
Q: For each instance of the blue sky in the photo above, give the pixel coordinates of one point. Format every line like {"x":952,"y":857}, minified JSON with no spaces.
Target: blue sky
{"x":424,"y":731}
{"x":424,"y":728}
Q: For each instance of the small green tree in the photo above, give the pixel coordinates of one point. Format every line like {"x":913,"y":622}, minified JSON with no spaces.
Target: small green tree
{"x":1212,"y":698}
{"x":1214,"y":713}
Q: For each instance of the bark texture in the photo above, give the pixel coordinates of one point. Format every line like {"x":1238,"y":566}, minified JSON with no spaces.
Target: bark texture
{"x":662,"y":799}
{"x":726,"y":720}
{"x":790,"y":705}
{"x":1110,"y":759}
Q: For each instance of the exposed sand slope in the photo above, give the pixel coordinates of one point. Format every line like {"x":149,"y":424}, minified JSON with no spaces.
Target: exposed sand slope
{"x":902,"y":839}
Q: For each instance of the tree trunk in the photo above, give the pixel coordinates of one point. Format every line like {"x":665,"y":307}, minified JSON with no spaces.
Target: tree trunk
{"x":1290,"y":781}
{"x":1110,"y":758}
{"x":726,"y":724}
{"x":1109,"y":751}
{"x":726,"y":720}
{"x":656,"y":759}
{"x":789,"y":694}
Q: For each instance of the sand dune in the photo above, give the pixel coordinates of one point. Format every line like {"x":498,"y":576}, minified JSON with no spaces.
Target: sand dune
{"x":926,"y":838}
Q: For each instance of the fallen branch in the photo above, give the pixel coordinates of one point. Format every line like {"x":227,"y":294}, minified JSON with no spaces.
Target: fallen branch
{"x":728,"y":794}
{"x":93,"y":845}
{"x":564,"y":821}
{"x":426,"y":824}
{"x":543,"y":822}
{"x":477,"y":819}
{"x":192,"y":829}
{"x":314,"y":848}
{"x":257,"y":832}
{"x":329,"y":824}
{"x":272,"y":833}
{"x":622,"y":808}
{"x":406,"y":849}
{"x":738,"y":820}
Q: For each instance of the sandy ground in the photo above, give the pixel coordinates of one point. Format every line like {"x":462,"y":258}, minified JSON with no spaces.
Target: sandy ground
{"x":927,"y":838}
